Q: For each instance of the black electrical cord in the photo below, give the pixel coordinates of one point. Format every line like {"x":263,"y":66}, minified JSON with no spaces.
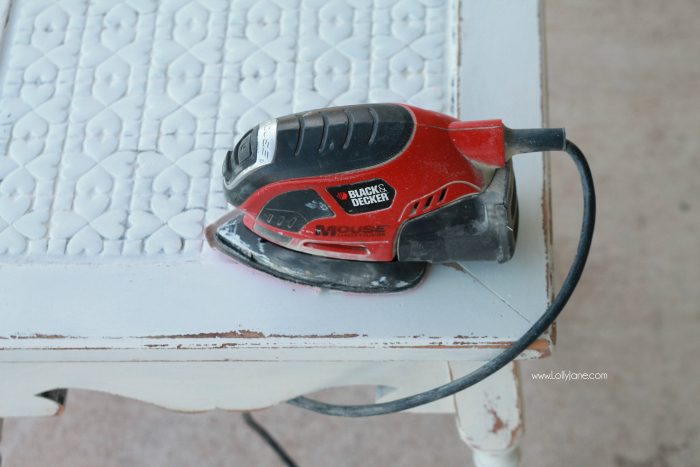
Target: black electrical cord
{"x":518,"y":346}
{"x":267,"y":437}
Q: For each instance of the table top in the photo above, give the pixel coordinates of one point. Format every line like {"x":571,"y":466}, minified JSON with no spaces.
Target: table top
{"x":114,"y":123}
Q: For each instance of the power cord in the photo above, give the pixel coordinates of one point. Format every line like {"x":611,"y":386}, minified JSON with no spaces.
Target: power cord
{"x":536,"y":142}
{"x":267,"y":437}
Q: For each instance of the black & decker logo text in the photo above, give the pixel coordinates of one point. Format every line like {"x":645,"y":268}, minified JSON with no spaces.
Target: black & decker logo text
{"x":370,"y":195}
{"x":367,"y":196}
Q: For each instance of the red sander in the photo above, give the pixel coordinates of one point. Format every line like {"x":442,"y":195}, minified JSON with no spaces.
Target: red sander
{"x":361,"y":198}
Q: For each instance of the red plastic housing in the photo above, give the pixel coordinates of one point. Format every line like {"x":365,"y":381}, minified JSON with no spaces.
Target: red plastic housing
{"x":445,"y":160}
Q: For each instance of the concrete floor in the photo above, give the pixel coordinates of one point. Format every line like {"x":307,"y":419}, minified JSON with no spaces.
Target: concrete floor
{"x":623,"y":79}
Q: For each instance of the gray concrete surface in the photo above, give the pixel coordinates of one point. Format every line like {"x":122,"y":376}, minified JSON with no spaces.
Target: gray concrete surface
{"x":624,"y":78}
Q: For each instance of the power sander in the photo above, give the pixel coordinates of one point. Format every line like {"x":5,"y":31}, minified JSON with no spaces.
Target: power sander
{"x":362,"y":198}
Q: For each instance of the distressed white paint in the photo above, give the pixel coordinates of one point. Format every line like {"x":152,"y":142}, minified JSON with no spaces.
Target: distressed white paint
{"x":114,"y":301}
{"x":504,"y":40}
{"x":489,"y":415}
{"x":198,"y":386}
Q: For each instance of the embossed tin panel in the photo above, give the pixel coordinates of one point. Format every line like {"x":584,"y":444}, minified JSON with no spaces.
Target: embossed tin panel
{"x":116,"y":116}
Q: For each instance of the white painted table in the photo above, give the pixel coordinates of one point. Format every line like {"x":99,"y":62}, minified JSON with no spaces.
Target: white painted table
{"x":114,"y":119}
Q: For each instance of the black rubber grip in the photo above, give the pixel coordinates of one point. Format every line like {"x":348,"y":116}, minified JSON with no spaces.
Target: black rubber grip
{"x":322,"y":142}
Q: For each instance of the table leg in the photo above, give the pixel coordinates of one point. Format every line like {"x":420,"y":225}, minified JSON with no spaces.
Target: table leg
{"x":489,"y":415}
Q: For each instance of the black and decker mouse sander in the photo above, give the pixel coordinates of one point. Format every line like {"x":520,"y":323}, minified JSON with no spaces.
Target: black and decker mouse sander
{"x":361,"y":198}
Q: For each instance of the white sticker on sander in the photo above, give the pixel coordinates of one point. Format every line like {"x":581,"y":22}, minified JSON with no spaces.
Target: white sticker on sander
{"x":267,"y":140}
{"x":265,"y":154}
